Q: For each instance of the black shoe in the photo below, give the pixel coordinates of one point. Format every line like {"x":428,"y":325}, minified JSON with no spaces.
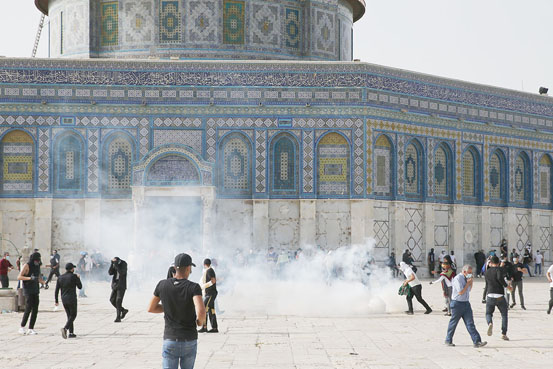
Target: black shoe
{"x":124,"y":313}
{"x":203,"y":330}
{"x":118,"y":320}
{"x":72,"y":335}
{"x":46,"y":287}
{"x":64,"y":333}
{"x":549,"y":311}
{"x":513,"y":305}
{"x":523,"y":307}
{"x":214,"y":330}
{"x":480,"y":344}
{"x":409,"y":312}
{"x":483,"y":301}
{"x":428,"y":311}
{"x":450,"y":344}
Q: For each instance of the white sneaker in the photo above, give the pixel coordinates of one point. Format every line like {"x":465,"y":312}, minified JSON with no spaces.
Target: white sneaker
{"x":22,"y":330}
{"x":31,"y":332}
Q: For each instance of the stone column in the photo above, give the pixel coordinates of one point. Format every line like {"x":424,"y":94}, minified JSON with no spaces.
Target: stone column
{"x":261,"y":224}
{"x":42,"y":227}
{"x":91,"y":224}
{"x":428,"y":235}
{"x":308,"y":224}
{"x":358,"y":217}
{"x":457,"y":237}
{"x":485,"y":229}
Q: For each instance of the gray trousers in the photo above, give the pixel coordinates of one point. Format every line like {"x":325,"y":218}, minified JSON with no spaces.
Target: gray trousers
{"x":519,"y":286}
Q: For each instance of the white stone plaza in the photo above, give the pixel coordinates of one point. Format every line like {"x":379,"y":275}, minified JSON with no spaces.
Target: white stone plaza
{"x":391,"y":340}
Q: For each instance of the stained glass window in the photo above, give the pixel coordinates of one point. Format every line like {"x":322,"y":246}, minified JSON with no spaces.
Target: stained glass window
{"x":496,"y":176}
{"x":333,"y":165}
{"x":17,"y":158}
{"x":68,"y":163}
{"x":545,"y":179}
{"x":117,"y":165}
{"x":411,"y":170}
{"x":382,"y":165}
{"x":236,"y":166}
{"x":520,"y":179}
{"x":469,"y":168}
{"x":284,"y":177}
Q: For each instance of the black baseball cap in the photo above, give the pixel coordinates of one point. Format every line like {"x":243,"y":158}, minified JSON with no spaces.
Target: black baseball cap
{"x":69,"y":266}
{"x":183,"y":260}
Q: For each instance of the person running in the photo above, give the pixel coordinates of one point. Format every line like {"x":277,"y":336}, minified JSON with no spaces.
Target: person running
{"x":118,"y":269}
{"x":549,"y":275}
{"x":5,"y":267}
{"x":517,"y":283}
{"x":209,"y":287}
{"x":416,"y":288}
{"x":446,"y":277}
{"x":183,"y":309}
{"x":54,"y":267}
{"x":508,"y":272}
{"x":460,"y":308}
{"x":496,"y":297}
{"x":538,"y":259}
{"x":30,"y":275}
{"x":68,"y":283}
{"x":431,"y":260}
{"x":480,"y":259}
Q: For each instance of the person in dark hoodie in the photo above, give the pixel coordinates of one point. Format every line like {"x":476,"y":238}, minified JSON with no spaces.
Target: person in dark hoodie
{"x":118,"y":270}
{"x":495,"y":279}
{"x":30,"y":275}
{"x":68,"y":284}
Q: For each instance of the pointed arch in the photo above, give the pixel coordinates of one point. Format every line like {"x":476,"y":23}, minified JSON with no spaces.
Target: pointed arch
{"x":544,"y":178}
{"x":333,"y":163}
{"x":18,"y":162}
{"x":284,"y":165}
{"x":117,"y":160}
{"x":471,"y":174}
{"x":383,"y":166}
{"x":69,"y":163}
{"x":522,"y":181}
{"x":235,"y":165}
{"x":497,"y":174}
{"x":414,"y":174}
{"x":443,"y":172}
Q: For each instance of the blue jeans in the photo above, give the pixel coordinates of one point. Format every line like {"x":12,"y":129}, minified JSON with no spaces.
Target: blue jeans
{"x":462,"y":309}
{"x":179,"y":351}
{"x":501,"y":304}
{"x":537,"y":268}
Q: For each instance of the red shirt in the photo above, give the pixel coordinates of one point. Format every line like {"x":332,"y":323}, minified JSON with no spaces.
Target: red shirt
{"x":4,"y":265}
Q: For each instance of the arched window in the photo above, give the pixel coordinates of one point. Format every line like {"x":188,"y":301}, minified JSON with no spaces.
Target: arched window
{"x":545,"y":179}
{"x":333,"y":165}
{"x":522,"y":178}
{"x":235,"y":165}
{"x":413,"y":172}
{"x":471,"y":175}
{"x":497,"y":178}
{"x":172,"y":170}
{"x":17,"y":158}
{"x":382,"y":166}
{"x":284,"y":167}
{"x":68,"y":164}
{"x":442,"y":172}
{"x":117,"y":164}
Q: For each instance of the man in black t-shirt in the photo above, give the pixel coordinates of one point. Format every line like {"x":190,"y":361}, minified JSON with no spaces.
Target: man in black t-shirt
{"x":209,"y":286}
{"x":183,"y":308}
{"x":54,"y":267}
{"x":68,"y":284}
{"x":517,"y":283}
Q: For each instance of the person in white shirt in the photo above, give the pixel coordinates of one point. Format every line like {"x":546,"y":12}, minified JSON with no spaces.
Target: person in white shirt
{"x":550,"y":279}
{"x":416,"y":288}
{"x":446,"y":276}
{"x":538,"y":261}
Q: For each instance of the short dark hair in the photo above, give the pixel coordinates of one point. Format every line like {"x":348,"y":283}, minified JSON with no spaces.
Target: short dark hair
{"x":495,"y":260}
{"x":207,"y":262}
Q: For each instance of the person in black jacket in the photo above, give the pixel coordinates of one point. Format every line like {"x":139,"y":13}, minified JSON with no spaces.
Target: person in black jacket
{"x":495,"y":280}
{"x":68,"y":284}
{"x":480,"y":259}
{"x":54,"y":267}
{"x":30,"y":275}
{"x":118,"y":270}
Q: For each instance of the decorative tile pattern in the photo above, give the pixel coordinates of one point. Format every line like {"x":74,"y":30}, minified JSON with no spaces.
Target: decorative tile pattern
{"x":292,"y":28}
{"x":381,"y":227}
{"x":412,"y":170}
{"x":358,"y":160}
{"x":415,"y":227}
{"x":109,"y":16}
{"x":544,"y":239}
{"x":138,"y":22}
{"x":431,"y":142}
{"x":441,"y":165}
{"x":308,"y":160}
{"x":169,"y":21}
{"x":382,"y":166}
{"x":521,"y":178}
{"x":441,"y":229}
{"x":469,"y":166}
{"x":324,"y":31}
{"x":400,"y":164}
{"x":172,"y":170}
{"x":233,"y":22}
{"x":202,"y":25}
{"x":496,"y":228}
{"x":346,"y":32}
{"x":496,"y":177}
{"x":265,"y":24}
{"x":260,"y":161}
{"x":93,"y":159}
{"x":235,"y":152}
{"x":333,"y":165}
{"x":17,"y":158}
{"x":284,"y":161}
{"x":144,"y":135}
{"x":522,"y":230}
{"x":191,"y":138}
{"x":43,"y":160}
{"x":117,"y":165}
{"x":544,"y":179}
{"x":68,"y":164}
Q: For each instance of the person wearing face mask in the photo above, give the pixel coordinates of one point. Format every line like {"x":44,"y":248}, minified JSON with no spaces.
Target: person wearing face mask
{"x":5,"y":267}
{"x":517,"y":283}
{"x":460,"y":308}
{"x":30,"y":275}
{"x":54,"y":267}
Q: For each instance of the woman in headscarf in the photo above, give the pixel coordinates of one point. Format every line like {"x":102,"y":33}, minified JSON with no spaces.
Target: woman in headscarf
{"x":30,"y":275}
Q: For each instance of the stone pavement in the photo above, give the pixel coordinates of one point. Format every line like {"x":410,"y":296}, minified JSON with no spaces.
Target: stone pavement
{"x":391,"y":340}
